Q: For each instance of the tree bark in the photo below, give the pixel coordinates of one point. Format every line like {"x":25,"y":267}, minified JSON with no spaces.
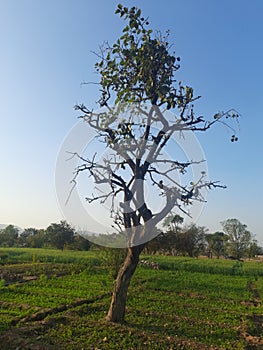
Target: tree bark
{"x":117,"y":308}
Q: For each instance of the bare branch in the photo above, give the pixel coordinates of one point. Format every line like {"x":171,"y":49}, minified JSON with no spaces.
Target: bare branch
{"x":102,"y":198}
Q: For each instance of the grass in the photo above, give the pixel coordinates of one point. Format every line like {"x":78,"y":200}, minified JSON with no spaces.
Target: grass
{"x":58,"y":300}
{"x":214,"y":266}
{"x":24,"y":255}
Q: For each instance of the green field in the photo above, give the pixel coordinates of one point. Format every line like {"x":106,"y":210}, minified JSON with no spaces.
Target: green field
{"x":58,"y":300}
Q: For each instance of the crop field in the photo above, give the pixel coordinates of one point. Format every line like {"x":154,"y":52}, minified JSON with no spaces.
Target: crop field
{"x":58,"y":300}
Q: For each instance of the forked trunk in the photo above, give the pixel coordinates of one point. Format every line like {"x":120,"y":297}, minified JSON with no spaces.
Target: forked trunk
{"x":117,"y":308}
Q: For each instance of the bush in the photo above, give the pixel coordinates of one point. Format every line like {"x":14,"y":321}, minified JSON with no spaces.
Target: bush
{"x":112,"y":259}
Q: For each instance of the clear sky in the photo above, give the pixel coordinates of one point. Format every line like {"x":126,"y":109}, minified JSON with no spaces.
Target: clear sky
{"x":46,"y":54}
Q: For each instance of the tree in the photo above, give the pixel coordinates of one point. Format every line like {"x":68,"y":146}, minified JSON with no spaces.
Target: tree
{"x":138,"y":87}
{"x":253,"y":249}
{"x":239,"y":238}
{"x":167,"y":240}
{"x":172,"y":222}
{"x":60,"y":234}
{"x":37,"y":239}
{"x":192,"y":240}
{"x":9,"y":236}
{"x":80,"y":243}
{"x":24,"y":236}
{"x":216,"y":244}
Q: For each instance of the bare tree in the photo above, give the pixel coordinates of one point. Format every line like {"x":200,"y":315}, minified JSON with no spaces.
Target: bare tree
{"x":137,"y":89}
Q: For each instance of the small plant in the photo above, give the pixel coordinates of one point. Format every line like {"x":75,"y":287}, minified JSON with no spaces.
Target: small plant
{"x":3,"y":259}
{"x":112,"y":259}
{"x":237,"y":268}
{"x":34,"y":258}
{"x":2,"y":283}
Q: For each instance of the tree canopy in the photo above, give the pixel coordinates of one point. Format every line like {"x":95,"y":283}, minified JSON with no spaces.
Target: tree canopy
{"x":9,"y":235}
{"x":239,"y":238}
{"x":138,"y":87}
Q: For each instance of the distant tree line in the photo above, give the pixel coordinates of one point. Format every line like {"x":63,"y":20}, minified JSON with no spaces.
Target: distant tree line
{"x":56,"y":235}
{"x":234,"y":241}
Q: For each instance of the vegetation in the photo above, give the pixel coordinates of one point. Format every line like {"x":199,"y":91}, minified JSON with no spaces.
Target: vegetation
{"x":191,"y":240}
{"x":195,"y":240}
{"x":60,"y":236}
{"x":216,"y":244}
{"x":9,"y":236}
{"x":57,"y":299}
{"x":139,"y":69}
{"x":239,"y":238}
{"x":138,"y":86}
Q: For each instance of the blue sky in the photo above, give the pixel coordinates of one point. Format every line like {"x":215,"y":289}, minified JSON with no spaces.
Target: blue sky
{"x":46,"y":54}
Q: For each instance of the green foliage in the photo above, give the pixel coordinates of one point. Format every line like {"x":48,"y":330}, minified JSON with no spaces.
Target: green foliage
{"x":173,"y":222}
{"x":216,"y":244}
{"x":239,"y":238}
{"x":26,"y":237}
{"x":28,"y":255}
{"x":9,"y":236}
{"x":78,"y":243}
{"x":112,"y":259}
{"x":37,"y":239}
{"x":192,"y":240}
{"x":187,"y":304}
{"x":2,"y":283}
{"x":139,"y":66}
{"x":236,"y":242}
{"x":189,"y":240}
{"x":60,"y":234}
{"x":224,"y":267}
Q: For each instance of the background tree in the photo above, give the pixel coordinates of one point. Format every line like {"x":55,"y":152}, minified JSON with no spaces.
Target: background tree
{"x":253,"y":249}
{"x":78,"y":243}
{"x":168,"y":239}
{"x":173,"y":222}
{"x":38,"y":240}
{"x":137,"y":88}
{"x":259,"y":250}
{"x":24,"y":236}
{"x":164,"y":242}
{"x":216,"y":244}
{"x":9,"y":236}
{"x":239,"y":238}
{"x":58,"y":235}
{"x":192,"y":240}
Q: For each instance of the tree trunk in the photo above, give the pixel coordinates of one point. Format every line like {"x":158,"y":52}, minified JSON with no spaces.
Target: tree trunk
{"x":117,"y":308}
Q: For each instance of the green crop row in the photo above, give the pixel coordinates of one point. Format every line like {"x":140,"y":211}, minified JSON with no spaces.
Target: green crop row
{"x":187,"y":303}
{"x":35,"y":255}
{"x":209,"y":266}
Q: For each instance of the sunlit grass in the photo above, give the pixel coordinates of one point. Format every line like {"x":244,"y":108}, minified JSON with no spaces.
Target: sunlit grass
{"x":186,"y":304}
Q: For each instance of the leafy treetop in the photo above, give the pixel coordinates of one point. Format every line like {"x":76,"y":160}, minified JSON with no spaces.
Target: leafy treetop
{"x":139,"y":67}
{"x":138,"y":71}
